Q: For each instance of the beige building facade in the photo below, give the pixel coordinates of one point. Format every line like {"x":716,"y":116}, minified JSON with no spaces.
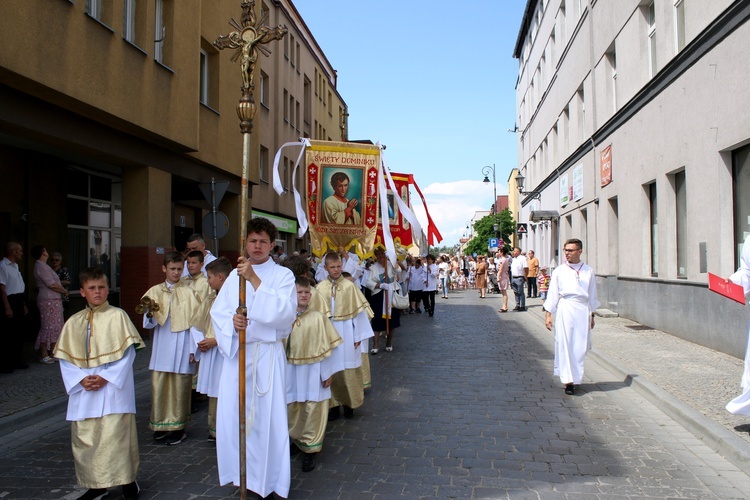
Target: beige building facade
{"x":633,"y":139}
{"x":113,"y":113}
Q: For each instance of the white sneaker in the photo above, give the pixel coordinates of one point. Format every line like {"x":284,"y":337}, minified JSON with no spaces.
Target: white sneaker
{"x":47,"y":360}
{"x":373,"y":351}
{"x":388,"y":349}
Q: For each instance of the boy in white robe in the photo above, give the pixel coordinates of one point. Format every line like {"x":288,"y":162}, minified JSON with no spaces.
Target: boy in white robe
{"x":96,"y":350}
{"x":271,"y":300}
{"x":206,"y":353}
{"x":172,"y":362}
{"x":572,"y":295}
{"x":309,"y":371}
{"x":351,"y":316}
{"x":741,"y":404}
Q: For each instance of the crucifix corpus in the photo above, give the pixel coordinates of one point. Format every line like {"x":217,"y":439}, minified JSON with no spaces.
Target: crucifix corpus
{"x":248,"y":39}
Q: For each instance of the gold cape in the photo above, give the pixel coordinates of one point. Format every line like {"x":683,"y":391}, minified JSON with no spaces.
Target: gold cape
{"x":319,"y":303}
{"x":112,"y":333}
{"x":199,"y":284}
{"x":179,"y":304}
{"x":349,"y":301}
{"x":312,"y":339}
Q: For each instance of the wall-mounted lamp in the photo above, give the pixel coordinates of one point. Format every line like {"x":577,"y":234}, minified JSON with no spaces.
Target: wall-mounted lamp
{"x":519,"y":184}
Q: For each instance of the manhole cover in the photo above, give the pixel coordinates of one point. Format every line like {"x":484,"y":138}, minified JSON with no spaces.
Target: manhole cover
{"x":639,"y":328}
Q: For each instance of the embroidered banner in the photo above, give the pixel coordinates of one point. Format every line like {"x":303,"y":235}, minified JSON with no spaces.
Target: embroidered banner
{"x":401,"y":229}
{"x":342,"y":195}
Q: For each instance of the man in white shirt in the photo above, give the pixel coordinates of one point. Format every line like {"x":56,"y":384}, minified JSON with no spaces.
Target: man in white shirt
{"x":196,"y":242}
{"x":519,"y":269}
{"x":12,"y":294}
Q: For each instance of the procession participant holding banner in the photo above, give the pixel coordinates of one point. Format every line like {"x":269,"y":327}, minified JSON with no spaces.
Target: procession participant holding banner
{"x":383,"y":281}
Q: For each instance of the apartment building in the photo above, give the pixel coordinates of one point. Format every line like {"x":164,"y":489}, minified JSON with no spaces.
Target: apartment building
{"x":633,"y":138}
{"x":113,"y":113}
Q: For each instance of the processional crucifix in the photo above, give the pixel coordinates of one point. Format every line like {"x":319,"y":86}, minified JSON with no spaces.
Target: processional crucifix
{"x":248,"y":39}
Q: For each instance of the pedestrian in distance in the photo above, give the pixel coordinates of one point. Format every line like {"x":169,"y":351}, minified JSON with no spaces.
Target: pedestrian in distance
{"x":432,"y":272}
{"x":96,"y":350}
{"x":49,"y":300}
{"x":519,"y":269}
{"x":572,"y":298}
{"x":533,"y":264}
{"x":13,"y":296}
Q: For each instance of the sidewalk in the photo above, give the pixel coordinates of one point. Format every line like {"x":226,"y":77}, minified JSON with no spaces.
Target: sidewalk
{"x":689,"y":382}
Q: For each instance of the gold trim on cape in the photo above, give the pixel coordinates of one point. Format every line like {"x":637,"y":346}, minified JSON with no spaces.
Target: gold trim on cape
{"x":312,"y":339}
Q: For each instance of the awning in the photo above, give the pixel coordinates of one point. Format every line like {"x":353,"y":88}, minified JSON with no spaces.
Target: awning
{"x":540,"y":215}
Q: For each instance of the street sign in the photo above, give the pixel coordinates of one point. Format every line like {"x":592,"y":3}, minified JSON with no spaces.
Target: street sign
{"x":493,"y":243}
{"x":222,"y":225}
{"x":521,"y":228}
{"x":220,"y":188}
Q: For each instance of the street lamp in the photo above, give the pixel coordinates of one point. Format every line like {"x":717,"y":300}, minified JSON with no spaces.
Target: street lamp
{"x":486,"y":171}
{"x":519,"y":184}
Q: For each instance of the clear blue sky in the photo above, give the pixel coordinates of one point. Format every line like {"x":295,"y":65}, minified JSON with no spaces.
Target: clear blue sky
{"x":435,"y":82}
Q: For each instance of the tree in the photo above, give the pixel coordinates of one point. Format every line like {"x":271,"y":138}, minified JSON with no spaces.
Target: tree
{"x":484,"y":230}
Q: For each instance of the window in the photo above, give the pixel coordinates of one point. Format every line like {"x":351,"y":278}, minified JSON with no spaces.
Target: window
{"x":297,"y":56}
{"x":561,"y":23}
{"x":296,"y":114}
{"x":291,"y":110}
{"x":101,"y":10}
{"x":163,"y":16}
{"x":651,"y":40}
{"x":285,"y":175}
{"x":654,"y":228}
{"x":741,"y":185}
{"x":307,"y":102}
{"x":263,"y":89}
{"x":330,"y":101}
{"x":94,"y":225}
{"x":581,"y":112}
{"x":292,"y":57}
{"x":129,"y":21}
{"x":286,"y":106}
{"x":204,"y":77}
{"x":263,"y":164}
{"x":681,"y":227}
{"x":209,"y":74}
{"x":679,"y":25}
{"x":612,"y":63}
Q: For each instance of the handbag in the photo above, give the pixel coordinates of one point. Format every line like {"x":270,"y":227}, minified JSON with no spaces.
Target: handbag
{"x":399,"y":300}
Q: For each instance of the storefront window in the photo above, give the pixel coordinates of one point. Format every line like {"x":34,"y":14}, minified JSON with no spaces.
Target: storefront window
{"x":94,"y":225}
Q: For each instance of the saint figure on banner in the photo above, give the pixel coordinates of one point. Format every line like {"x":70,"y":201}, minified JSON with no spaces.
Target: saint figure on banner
{"x":337,"y":208}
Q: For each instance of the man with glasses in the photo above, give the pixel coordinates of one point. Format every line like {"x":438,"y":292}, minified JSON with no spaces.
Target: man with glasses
{"x":572,"y":295}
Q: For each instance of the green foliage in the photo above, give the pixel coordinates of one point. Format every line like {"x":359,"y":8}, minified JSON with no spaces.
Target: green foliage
{"x":484,"y":230}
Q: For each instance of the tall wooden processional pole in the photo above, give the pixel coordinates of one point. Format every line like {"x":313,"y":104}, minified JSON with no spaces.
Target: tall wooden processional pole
{"x":248,"y":39}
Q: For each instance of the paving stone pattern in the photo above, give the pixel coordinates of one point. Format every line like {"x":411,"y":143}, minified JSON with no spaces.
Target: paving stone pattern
{"x":464,"y":407}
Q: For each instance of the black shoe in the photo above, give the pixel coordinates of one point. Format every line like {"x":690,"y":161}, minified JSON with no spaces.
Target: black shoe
{"x":308,"y":463}
{"x":570,"y":389}
{"x":349,"y":412}
{"x":521,"y":309}
{"x":94,"y":494}
{"x":293,"y":449}
{"x":419,"y":311}
{"x":159,"y":435}
{"x":131,"y":491}
{"x":211,"y":439}
{"x":176,"y":437}
{"x":432,"y":314}
{"x":334,"y":413}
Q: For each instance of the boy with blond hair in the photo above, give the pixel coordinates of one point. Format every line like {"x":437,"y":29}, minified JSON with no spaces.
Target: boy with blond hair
{"x":96,"y":350}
